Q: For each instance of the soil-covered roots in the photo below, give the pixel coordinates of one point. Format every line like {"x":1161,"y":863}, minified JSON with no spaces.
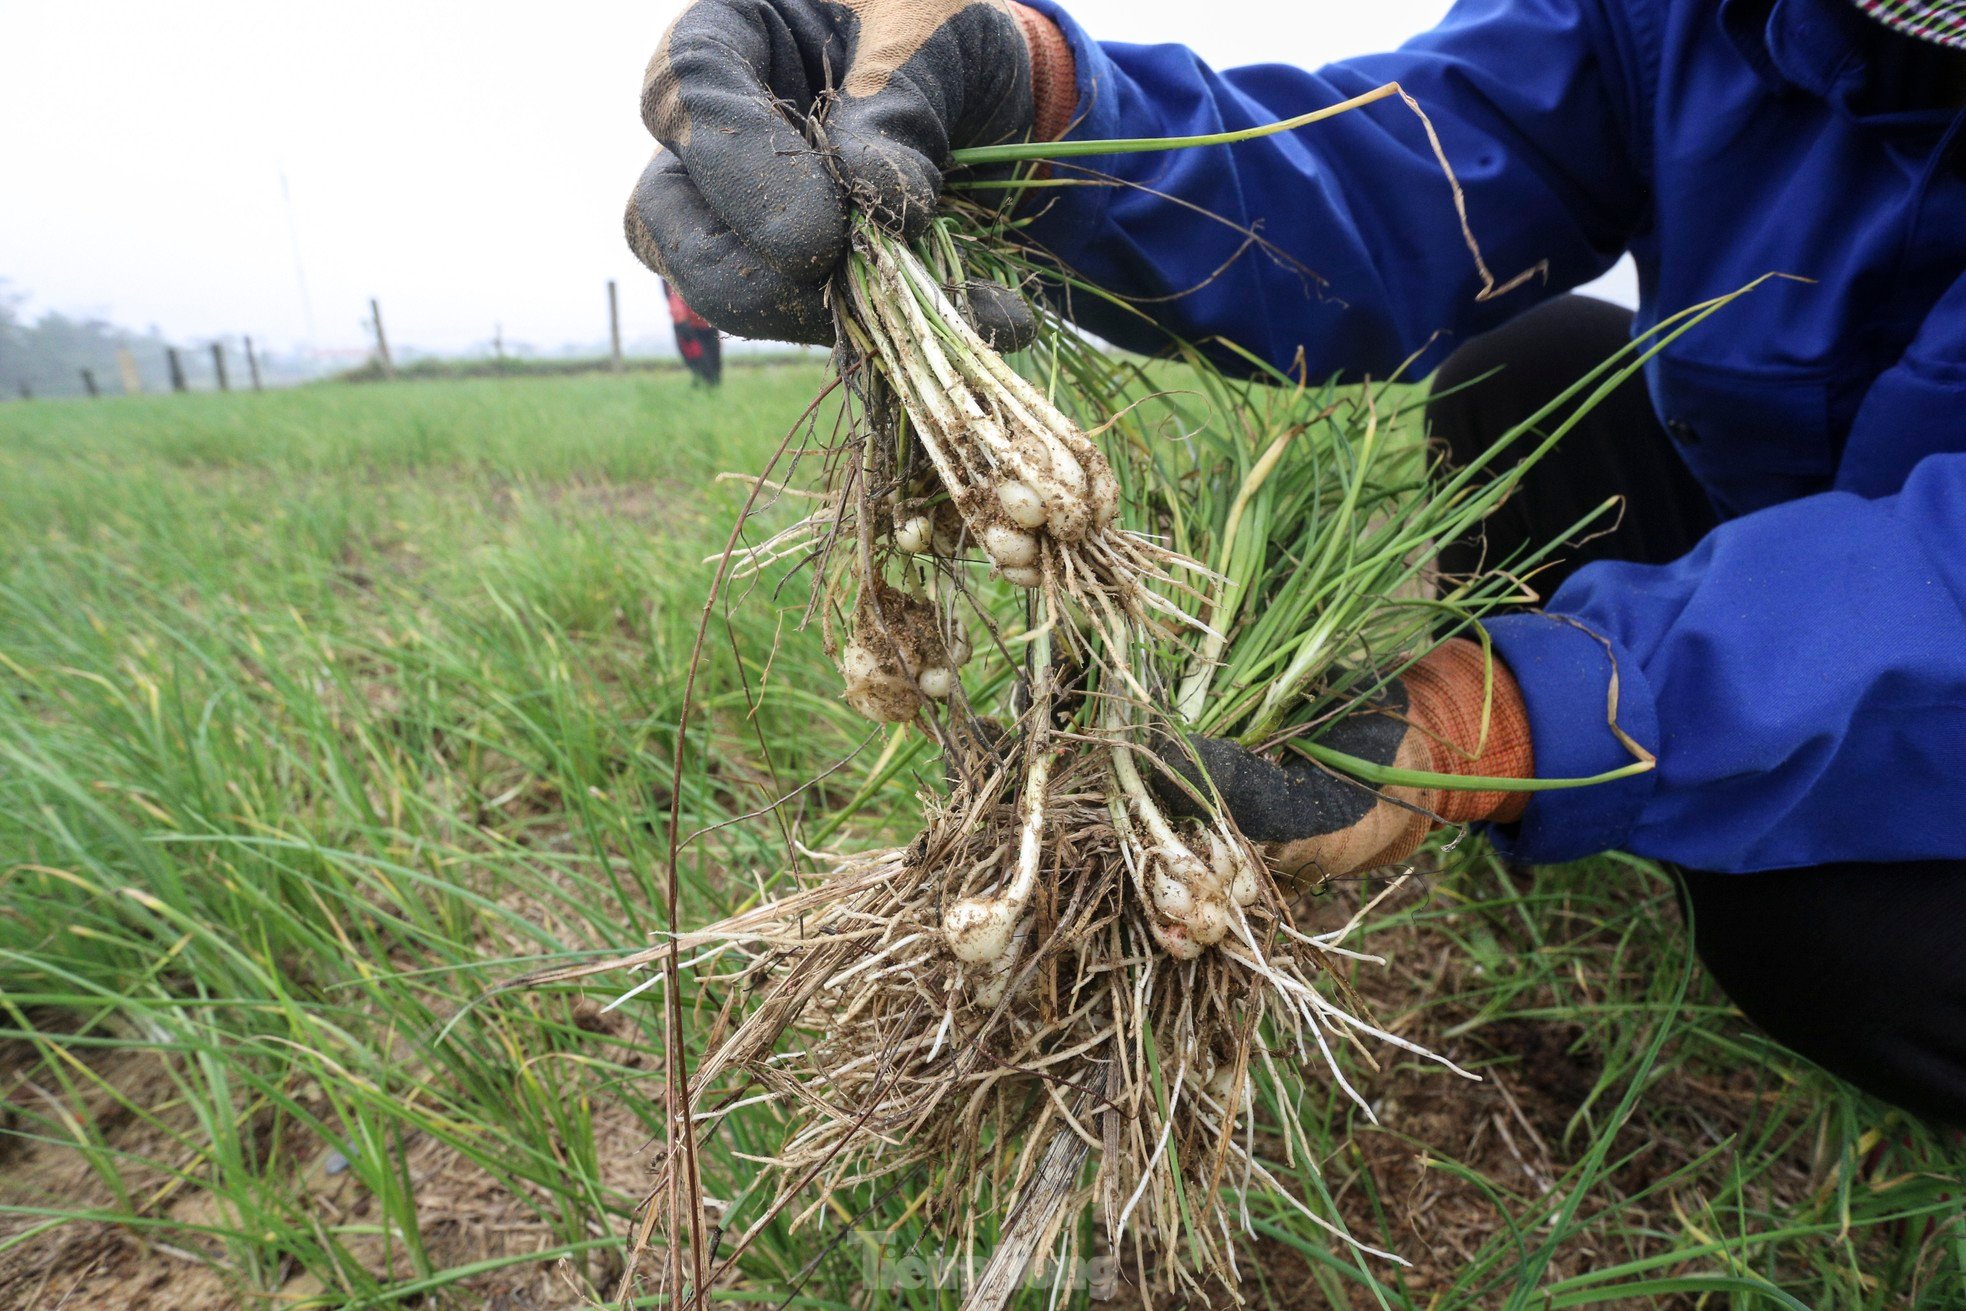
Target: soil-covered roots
{"x":956,"y":1014}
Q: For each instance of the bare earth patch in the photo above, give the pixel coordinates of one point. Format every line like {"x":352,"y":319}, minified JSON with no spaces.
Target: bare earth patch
{"x":467,"y":1215}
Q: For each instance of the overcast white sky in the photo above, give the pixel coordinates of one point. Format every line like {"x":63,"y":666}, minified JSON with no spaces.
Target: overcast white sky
{"x":465,"y":163}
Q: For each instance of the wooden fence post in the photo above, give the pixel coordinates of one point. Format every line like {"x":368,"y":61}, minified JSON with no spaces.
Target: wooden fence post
{"x":126,"y":364}
{"x":252,"y":364}
{"x":177,"y":368}
{"x":218,"y":365}
{"x":89,"y":382}
{"x":381,"y":340}
{"x":614,"y":329}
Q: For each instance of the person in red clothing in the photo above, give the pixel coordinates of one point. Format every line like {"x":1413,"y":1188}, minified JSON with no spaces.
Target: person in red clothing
{"x":696,"y":341}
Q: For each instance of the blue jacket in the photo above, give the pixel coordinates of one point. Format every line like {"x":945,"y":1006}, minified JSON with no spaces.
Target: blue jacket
{"x":1802,"y":674}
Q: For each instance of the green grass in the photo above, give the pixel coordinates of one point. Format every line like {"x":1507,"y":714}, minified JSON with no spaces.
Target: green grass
{"x":324,"y":711}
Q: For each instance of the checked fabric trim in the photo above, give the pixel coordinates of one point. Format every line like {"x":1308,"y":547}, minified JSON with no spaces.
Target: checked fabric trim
{"x":1942,"y":22}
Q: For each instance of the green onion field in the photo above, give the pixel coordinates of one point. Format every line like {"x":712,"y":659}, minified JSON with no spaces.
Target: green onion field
{"x":324,"y":712}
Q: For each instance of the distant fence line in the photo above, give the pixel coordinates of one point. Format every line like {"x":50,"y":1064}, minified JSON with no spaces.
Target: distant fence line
{"x":382,"y":364}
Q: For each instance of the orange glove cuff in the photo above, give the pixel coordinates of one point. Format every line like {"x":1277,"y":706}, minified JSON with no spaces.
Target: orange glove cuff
{"x":1446,"y":694}
{"x":1054,"y":78}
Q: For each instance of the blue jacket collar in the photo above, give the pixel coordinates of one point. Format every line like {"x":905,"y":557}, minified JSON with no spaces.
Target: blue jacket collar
{"x":1816,"y":47}
{"x":1805,"y":45}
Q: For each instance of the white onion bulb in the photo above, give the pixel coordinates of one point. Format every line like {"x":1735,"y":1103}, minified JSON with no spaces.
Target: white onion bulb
{"x":1172,"y":897}
{"x":978,"y":929}
{"x":1243,"y":888}
{"x":1011,"y":548}
{"x":1176,"y":941}
{"x":1221,"y":861}
{"x":858,"y":663}
{"x":915,"y":535}
{"x":1210,"y":921}
{"x":1021,"y":505}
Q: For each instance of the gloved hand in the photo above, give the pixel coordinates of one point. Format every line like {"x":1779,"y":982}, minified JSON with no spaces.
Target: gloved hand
{"x":1309,"y":821}
{"x":744,"y":215}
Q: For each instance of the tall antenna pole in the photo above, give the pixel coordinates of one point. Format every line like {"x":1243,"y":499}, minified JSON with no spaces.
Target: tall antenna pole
{"x":300,"y":265}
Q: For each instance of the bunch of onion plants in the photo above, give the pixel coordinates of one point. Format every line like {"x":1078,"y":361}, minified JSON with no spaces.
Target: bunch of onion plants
{"x":1051,"y":1014}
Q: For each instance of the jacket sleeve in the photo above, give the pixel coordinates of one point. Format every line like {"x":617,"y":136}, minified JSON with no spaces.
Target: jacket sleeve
{"x":1361,"y":259}
{"x":1801,"y":676}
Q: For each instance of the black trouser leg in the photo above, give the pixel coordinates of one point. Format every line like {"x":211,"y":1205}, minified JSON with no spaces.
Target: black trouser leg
{"x":1618,"y":449}
{"x":1859,"y":967}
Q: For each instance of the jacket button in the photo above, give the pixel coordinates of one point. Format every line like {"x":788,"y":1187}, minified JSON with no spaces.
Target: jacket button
{"x":1682,"y":432}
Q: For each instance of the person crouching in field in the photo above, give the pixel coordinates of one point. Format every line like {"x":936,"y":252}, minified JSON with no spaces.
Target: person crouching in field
{"x":1781,"y":610}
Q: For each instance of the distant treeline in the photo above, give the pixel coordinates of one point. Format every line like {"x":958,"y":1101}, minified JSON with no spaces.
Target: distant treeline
{"x":48,"y":355}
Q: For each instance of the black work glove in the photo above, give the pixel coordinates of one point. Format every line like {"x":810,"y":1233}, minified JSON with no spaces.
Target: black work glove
{"x":1309,"y":820}
{"x":745,"y":216}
